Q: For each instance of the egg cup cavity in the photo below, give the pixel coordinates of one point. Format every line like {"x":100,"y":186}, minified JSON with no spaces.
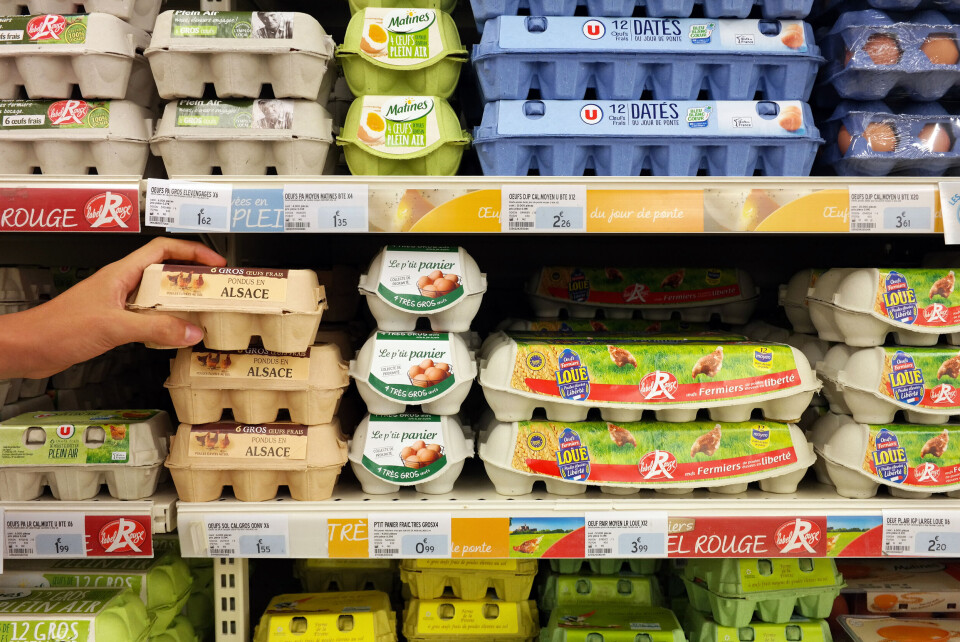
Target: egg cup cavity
{"x":483,"y":620}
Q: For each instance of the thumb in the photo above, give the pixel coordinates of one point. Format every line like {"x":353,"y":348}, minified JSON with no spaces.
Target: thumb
{"x":161,"y":329}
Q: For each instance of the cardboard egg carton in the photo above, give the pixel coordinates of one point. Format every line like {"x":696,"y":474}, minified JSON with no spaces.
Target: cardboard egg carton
{"x":466,"y":579}
{"x":828,"y":370}
{"x":256,"y":460}
{"x":98,"y":53}
{"x":588,"y":590}
{"x":483,"y":620}
{"x":658,"y":624}
{"x":343,"y":615}
{"x":606,"y":566}
{"x":101,"y":613}
{"x":792,"y":297}
{"x":141,"y":14}
{"x":239,"y":53}
{"x":256,"y":384}
{"x":319,"y":575}
{"x":22,"y":286}
{"x":244,"y":137}
{"x":702,"y":628}
{"x":26,"y":404}
{"x":232,"y":305}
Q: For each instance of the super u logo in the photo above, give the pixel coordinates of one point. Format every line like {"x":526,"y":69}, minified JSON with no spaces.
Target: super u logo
{"x":591,"y":114}
{"x":593,"y":29}
{"x":65,"y":431}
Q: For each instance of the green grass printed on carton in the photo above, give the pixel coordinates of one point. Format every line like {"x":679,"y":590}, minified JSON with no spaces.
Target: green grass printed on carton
{"x":549,"y":539}
{"x":920,"y":281}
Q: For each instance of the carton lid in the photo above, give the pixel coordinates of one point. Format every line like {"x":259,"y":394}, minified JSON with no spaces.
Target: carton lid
{"x":436,"y":33}
{"x":444,"y":618}
{"x":267,"y":119}
{"x":74,"y":120}
{"x":100,"y":613}
{"x":72,"y":34}
{"x":348,"y":615}
{"x":434,"y":108}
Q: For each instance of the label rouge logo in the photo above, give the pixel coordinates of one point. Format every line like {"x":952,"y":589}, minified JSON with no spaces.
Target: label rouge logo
{"x":659,"y":385}
{"x":594,"y":29}
{"x":927,"y":472}
{"x":591,"y":114}
{"x":109,"y":210}
{"x":47,"y":27}
{"x":65,"y":431}
{"x":935,"y":313}
{"x":943,"y":394}
{"x":798,"y":535}
{"x":123,"y":536}
{"x":657,"y":464}
{"x":68,"y":112}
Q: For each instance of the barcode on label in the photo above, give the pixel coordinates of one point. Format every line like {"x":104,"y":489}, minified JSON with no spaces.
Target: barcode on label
{"x":897,"y":549}
{"x":388,"y":551}
{"x":221,"y":552}
{"x":862,"y":226}
{"x":600,"y":551}
{"x":162,"y":221}
{"x":520,"y":225}
{"x":20,"y":551}
{"x":295,"y":225}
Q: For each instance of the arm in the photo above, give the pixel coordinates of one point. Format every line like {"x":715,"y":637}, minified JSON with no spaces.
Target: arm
{"x":91,"y":317}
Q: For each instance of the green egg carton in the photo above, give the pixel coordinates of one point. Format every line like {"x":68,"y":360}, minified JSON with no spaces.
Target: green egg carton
{"x":450,"y":619}
{"x":321,"y":575}
{"x":406,"y":51}
{"x":200,"y":605}
{"x":180,"y":630}
{"x":582,"y":623}
{"x":623,"y":591}
{"x":75,"y":614}
{"x":443,"y":5}
{"x":402,"y":136}
{"x":510,"y":580}
{"x":606,"y":566}
{"x":701,"y":628}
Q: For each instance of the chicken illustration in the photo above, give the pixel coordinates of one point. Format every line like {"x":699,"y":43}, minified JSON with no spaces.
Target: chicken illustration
{"x":184,"y":279}
{"x":709,"y":365}
{"x":202,"y":358}
{"x":936,"y":445}
{"x":213,"y":359}
{"x":598,"y":326}
{"x":707,"y":443}
{"x":199,"y":282}
{"x":943,"y":286}
{"x":224,"y":442}
{"x":225,"y":362}
{"x":949,"y":368}
{"x":621,"y":357}
{"x":118,"y":432}
{"x":202,"y":438}
{"x":212,"y":438}
{"x":614,"y":274}
{"x":529,"y":546}
{"x":173,"y":277}
{"x":831,"y":542}
{"x":621,"y":437}
{"x":674,"y":280}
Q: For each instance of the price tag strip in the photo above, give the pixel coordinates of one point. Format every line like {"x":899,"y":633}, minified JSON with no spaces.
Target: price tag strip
{"x":904,"y":208}
{"x":325,"y":208}
{"x":181,"y":205}
{"x":921,"y":533}
{"x":249,"y":536}
{"x":543,"y":208}
{"x":395,"y":536}
{"x":625,"y":534}
{"x":44,"y":535}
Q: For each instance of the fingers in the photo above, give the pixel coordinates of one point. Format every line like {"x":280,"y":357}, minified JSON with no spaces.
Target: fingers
{"x":164,"y":248}
{"x":159,"y":329}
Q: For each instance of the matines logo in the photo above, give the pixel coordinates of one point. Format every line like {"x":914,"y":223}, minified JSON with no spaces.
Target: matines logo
{"x":406,"y":109}
{"x":591,"y":114}
{"x":123,"y":536}
{"x":66,"y":431}
{"x":109,"y":210}
{"x":659,"y":385}
{"x":798,"y":535}
{"x":657,"y":464}
{"x":68,"y":112}
{"x":46,"y":27}
{"x":594,"y":29}
{"x":409,"y":20}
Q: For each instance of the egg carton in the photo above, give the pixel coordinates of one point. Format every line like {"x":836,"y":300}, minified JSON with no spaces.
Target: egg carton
{"x":98,"y":53}
{"x":653,"y":294}
{"x":792,"y":297}
{"x":122,"y":448}
{"x":852,"y":454}
{"x":256,"y":384}
{"x":828,"y":370}
{"x":8,"y":392}
{"x":365,"y":615}
{"x":466,"y":579}
{"x":600,"y":591}
{"x":322,"y":575}
{"x":853,"y":73}
{"x":434,"y":371}
{"x":860,"y":307}
{"x":606,"y":566}
{"x":397,"y":309}
{"x":340,"y":282}
{"x":569,"y":137}
{"x":481,"y":620}
{"x":28,"y":404}
{"x":605,"y":325}
{"x":30,"y":388}
{"x":866,"y":628}
{"x":387,"y":452}
{"x":141,"y":14}
{"x":180,"y":630}
{"x":22,"y":287}
{"x":574,"y":623}
{"x":564,"y":57}
{"x":661,"y":462}
{"x":307,"y":459}
{"x":232,"y":305}
{"x":245,"y":137}
{"x":443,"y":5}
{"x":702,"y":628}
{"x":101,"y":613}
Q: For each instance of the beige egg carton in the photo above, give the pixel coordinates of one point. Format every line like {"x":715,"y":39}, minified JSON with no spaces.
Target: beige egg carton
{"x":792,"y":297}
{"x":423,"y":451}
{"x":99,"y":53}
{"x":911,"y":461}
{"x":141,"y":14}
{"x":294,"y":59}
{"x":13,"y":389}
{"x":232,"y":305}
{"x":244,"y":137}
{"x":123,"y":448}
{"x":432,"y":370}
{"x":256,"y":460}
{"x":398,"y":285}
{"x":27,"y":404}
{"x":828,"y":370}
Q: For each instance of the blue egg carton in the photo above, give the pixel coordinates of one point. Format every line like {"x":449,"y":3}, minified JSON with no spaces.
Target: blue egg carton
{"x":620,"y":58}
{"x":910,"y":157}
{"x":901,"y":5}
{"x":855,"y":76}
{"x":630,"y":138}
{"x":484,"y":10}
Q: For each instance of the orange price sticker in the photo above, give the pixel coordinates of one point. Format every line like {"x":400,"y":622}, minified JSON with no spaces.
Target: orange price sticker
{"x":347,"y":538}
{"x":474,"y":537}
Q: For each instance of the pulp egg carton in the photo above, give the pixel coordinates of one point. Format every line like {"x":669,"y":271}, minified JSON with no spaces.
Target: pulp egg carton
{"x":180,"y":630}
{"x":733,"y":590}
{"x":405,"y":283}
{"x":605,"y":325}
{"x":912,"y":461}
{"x":83,"y":374}
{"x":792,"y":297}
{"x":828,"y":370}
{"x":574,"y":623}
{"x":73,"y":136}
{"x":483,"y":620}
{"x":433,"y":370}
{"x":321,"y":575}
{"x":29,"y":404}
{"x":624,"y":377}
{"x":245,"y":137}
{"x":872,"y":56}
{"x":869,"y":139}
{"x":468,"y":579}
{"x":256,"y":384}
{"x":569,"y":137}
{"x":30,"y":388}
{"x":423,"y":451}
{"x":401,"y":51}
{"x":861,"y":306}
{"x":256,"y":460}
{"x":340,"y":282}
{"x":620,"y":59}
{"x":442,"y":5}
{"x":100,"y":613}
{"x":141,"y":14}
{"x":239,"y":52}
{"x":344,"y":615}
{"x":868,"y":628}
{"x":626,"y":457}
{"x":22,"y":286}
{"x":606,"y":566}
{"x":98,"y":53}
{"x":232,"y":305}
{"x":606,"y":591}
{"x":378,"y":138}
{"x":122,"y":448}
{"x":702,"y":628}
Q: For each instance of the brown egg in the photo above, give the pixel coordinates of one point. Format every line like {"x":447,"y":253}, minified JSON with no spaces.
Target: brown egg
{"x":883,"y":49}
{"x":419,"y":445}
{"x":436,"y":274}
{"x":792,"y":36}
{"x":412,"y":462}
{"x":791,"y":119}
{"x":434,"y":447}
{"x":847,"y":57}
{"x":941,"y":49}
{"x":444,"y":286}
{"x":881,"y":137}
{"x":844,"y":139}
{"x":421,"y":381}
{"x":423,"y":281}
{"x":414,"y":371}
{"x":407,"y":452}
{"x":935,"y":137}
{"x":426,"y":363}
{"x":427,"y":456}
{"x":452,"y":277}
{"x":435,"y":374}
{"x":429,"y":291}
{"x":443,"y":366}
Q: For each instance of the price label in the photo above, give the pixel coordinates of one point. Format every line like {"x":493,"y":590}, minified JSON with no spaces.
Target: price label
{"x":543,"y":208}
{"x":325,"y":208}
{"x":626,"y":534}
{"x":44,"y":535}
{"x":921,"y":533}
{"x":251,"y":536}
{"x":904,"y":208}
{"x":182,"y":205}
{"x":950,"y":212}
{"x":393,"y":536}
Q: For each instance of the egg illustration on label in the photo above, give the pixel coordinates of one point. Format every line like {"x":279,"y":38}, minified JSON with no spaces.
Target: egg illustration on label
{"x":372,"y":128}
{"x":374,"y":40}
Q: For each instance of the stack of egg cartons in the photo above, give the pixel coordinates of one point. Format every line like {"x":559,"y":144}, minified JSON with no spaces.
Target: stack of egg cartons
{"x":243,"y":130}
{"x":398,"y":367}
{"x":21,"y":289}
{"x":402,"y":63}
{"x":257,"y":358}
{"x":347,"y":615}
{"x":564,"y":94}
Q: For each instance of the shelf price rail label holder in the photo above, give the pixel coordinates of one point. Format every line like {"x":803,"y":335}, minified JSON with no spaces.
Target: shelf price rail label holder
{"x":58,"y":535}
{"x":893,"y":208}
{"x":249,"y":535}
{"x":626,"y":534}
{"x":396,"y":535}
{"x":921,"y":533}
{"x":50,"y":206}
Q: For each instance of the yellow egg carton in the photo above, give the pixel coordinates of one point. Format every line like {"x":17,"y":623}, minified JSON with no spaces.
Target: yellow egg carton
{"x":319,"y":575}
{"x":470,"y":621}
{"x":352,"y":616}
{"x":510,"y":580}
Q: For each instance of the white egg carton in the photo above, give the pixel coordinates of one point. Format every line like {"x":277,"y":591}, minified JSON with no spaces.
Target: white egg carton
{"x":107,"y":64}
{"x":412,"y":264}
{"x":828,"y":369}
{"x":141,"y":14}
{"x":26,"y":404}
{"x":395,"y":388}
{"x":843,"y":446}
{"x":299,"y":148}
{"x":844,"y":307}
{"x":6,"y":390}
{"x":21,"y":389}
{"x":238,"y":67}
{"x":792,"y":297}
{"x":120,"y":148}
{"x":763,"y":331}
